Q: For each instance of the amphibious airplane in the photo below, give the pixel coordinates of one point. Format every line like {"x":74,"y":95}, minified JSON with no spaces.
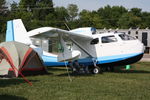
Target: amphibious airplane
{"x":84,"y":44}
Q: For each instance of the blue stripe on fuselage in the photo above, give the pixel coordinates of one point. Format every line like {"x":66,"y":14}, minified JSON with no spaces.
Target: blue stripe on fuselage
{"x":52,"y":61}
{"x":108,"y":59}
{"x":10,"y":31}
{"x":115,"y":58}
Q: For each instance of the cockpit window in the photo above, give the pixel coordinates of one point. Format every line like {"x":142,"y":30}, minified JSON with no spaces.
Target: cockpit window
{"x":126,"y":37}
{"x":94,"y":41}
{"x":109,"y":39}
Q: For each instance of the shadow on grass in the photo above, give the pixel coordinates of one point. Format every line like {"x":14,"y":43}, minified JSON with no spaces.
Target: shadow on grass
{"x":56,"y":69}
{"x":133,"y":71}
{"x":9,"y":82}
{"x":35,"y":73}
{"x":76,"y":74}
{"x":11,"y":97}
{"x":32,"y":74}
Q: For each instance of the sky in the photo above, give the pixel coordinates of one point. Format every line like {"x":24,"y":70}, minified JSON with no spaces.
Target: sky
{"x":96,"y":4}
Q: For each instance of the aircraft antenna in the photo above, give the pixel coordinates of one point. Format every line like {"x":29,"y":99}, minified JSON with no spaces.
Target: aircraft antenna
{"x":67,"y":26}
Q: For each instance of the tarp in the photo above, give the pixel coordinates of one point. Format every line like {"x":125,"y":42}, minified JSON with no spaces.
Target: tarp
{"x":17,"y":57}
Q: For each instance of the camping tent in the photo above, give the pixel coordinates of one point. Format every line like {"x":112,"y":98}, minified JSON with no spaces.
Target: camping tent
{"x":16,"y":58}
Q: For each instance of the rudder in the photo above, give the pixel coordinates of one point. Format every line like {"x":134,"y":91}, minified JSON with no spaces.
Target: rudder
{"x":17,"y":32}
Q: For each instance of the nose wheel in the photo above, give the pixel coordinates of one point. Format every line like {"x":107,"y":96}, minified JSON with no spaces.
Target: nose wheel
{"x":96,"y":70}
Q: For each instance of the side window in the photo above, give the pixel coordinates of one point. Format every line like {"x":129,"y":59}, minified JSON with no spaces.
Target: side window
{"x":126,"y":37}
{"x":95,"y":41}
{"x":108,"y":39}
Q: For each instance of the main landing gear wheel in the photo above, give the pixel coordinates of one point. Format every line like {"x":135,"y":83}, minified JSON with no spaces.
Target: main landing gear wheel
{"x":96,"y":70}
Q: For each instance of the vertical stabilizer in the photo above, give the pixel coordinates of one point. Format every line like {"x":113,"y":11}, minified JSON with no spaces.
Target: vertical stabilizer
{"x":10,"y":31}
{"x":17,"y":32}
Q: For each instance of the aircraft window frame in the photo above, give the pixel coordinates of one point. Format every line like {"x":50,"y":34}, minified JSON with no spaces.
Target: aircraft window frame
{"x":126,"y":37}
{"x":108,"y":39}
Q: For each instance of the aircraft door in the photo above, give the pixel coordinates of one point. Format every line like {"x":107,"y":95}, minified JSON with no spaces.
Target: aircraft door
{"x":109,"y":46}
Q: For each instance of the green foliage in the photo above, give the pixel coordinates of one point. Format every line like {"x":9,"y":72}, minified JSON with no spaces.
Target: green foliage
{"x":145,"y":20}
{"x":3,"y":19}
{"x":90,"y":19}
{"x":110,"y":15}
{"x":72,"y":11}
{"x":136,"y":11}
{"x":2,"y":37}
{"x":61,"y":13}
{"x":129,"y":20}
{"x":2,"y":7}
{"x":39,"y":13}
{"x":42,"y":9}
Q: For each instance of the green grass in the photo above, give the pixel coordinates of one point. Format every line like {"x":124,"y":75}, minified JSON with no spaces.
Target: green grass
{"x":118,"y":85}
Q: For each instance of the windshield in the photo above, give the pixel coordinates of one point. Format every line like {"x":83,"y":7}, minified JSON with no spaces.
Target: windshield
{"x":126,"y":37}
{"x":109,"y":39}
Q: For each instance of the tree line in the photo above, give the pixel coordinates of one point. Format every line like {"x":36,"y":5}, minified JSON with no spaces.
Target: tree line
{"x":39,"y":13}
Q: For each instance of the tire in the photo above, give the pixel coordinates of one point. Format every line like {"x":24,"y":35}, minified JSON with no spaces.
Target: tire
{"x":96,"y":70}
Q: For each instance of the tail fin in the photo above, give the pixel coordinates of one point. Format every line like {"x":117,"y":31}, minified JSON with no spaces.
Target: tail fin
{"x":17,"y":32}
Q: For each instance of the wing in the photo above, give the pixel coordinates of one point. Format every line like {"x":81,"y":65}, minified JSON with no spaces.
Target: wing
{"x":47,"y":32}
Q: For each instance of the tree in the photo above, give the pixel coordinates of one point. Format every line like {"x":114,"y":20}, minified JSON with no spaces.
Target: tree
{"x":72,"y":11}
{"x":61,"y":13}
{"x":14,"y":6}
{"x":43,"y":8}
{"x":136,"y":11}
{"x":111,"y":15}
{"x":91,"y":19}
{"x":3,"y":8}
{"x":145,"y":16}
{"x":59,"y":18}
{"x":17,"y":12}
{"x":39,"y":8}
{"x":3,"y":18}
{"x":129,"y":20}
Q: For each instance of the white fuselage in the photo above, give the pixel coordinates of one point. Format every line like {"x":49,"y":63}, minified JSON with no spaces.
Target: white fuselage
{"x":118,"y":47}
{"x":111,"y":47}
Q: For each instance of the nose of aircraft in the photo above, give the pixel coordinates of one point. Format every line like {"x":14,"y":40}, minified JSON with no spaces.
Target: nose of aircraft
{"x":141,"y":46}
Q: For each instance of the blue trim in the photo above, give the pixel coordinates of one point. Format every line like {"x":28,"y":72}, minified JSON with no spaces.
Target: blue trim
{"x":110,"y":59}
{"x":10,"y":31}
{"x":52,"y":61}
{"x":86,"y":61}
{"x":49,"y":58}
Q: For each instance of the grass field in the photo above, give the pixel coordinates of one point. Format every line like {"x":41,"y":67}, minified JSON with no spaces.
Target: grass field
{"x":118,"y":85}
